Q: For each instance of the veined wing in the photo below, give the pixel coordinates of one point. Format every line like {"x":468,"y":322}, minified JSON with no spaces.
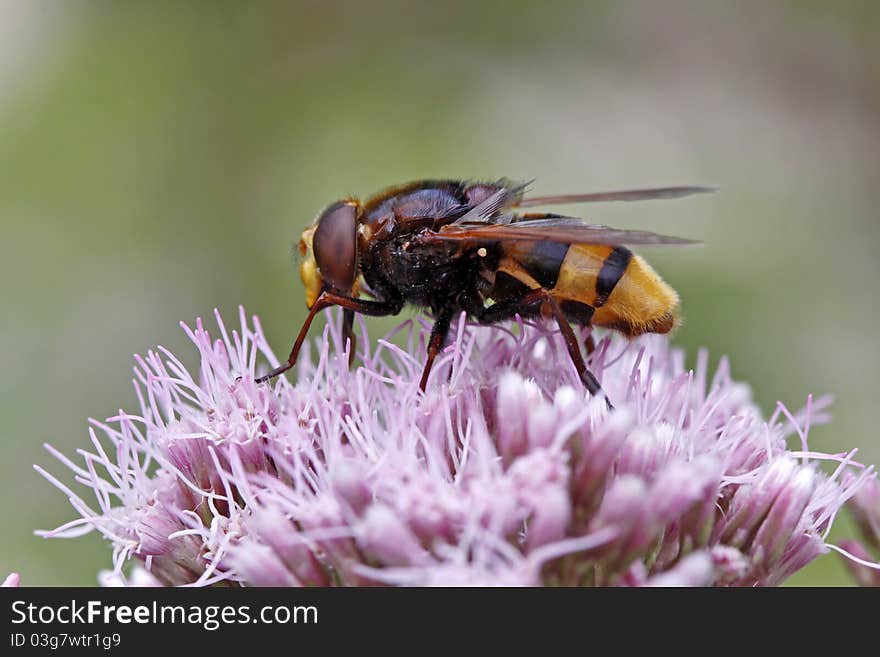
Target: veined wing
{"x":550,"y":228}
{"x":621,"y":195}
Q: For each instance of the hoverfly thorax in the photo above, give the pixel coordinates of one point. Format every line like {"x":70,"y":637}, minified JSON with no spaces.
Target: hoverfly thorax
{"x":329,"y":250}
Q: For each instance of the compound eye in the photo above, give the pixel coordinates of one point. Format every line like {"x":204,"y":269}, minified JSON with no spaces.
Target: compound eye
{"x":335,"y":245}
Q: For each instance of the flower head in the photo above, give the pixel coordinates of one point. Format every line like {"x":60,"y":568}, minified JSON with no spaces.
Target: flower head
{"x":505,"y":472}
{"x":865,"y":510}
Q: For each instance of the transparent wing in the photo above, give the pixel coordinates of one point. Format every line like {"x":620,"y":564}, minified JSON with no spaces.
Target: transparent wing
{"x":488,"y":209}
{"x":570,"y":230}
{"x":622,"y":195}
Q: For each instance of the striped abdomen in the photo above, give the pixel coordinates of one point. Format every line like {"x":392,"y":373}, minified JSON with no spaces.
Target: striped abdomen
{"x":594,"y":284}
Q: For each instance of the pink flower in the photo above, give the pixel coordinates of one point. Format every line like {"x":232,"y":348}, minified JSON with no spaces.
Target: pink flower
{"x":865,"y":510}
{"x":505,"y":473}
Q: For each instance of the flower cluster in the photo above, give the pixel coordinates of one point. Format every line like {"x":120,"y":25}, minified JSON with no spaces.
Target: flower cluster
{"x":865,"y":510}
{"x":506,"y":472}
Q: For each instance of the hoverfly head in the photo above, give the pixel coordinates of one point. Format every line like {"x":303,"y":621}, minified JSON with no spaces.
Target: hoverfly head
{"x":329,"y":251}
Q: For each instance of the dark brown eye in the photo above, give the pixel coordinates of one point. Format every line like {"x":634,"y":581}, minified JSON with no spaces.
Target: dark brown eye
{"x":335,"y":245}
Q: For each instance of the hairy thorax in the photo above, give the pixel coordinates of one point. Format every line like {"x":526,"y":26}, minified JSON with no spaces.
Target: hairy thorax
{"x":429,"y":276}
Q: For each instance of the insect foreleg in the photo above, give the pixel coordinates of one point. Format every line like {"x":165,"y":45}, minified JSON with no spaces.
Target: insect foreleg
{"x":348,"y":335}
{"x":327,"y":299}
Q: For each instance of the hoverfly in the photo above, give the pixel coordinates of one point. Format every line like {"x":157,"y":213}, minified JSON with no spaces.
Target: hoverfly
{"x":456,"y":246}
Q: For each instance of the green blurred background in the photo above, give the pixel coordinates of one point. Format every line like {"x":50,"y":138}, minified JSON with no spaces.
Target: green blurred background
{"x":160,"y":159}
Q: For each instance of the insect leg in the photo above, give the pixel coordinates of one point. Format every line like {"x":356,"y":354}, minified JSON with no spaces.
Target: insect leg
{"x":530,"y":305}
{"x":438,"y":336}
{"x":348,"y":335}
{"x":590,"y":344}
{"x":574,"y":351}
{"x":326,"y":300}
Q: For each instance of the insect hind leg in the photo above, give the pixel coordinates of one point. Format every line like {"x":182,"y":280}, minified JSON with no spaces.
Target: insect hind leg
{"x":531,"y":304}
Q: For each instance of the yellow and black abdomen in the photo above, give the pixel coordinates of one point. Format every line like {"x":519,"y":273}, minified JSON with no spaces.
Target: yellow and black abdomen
{"x":605,"y":286}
